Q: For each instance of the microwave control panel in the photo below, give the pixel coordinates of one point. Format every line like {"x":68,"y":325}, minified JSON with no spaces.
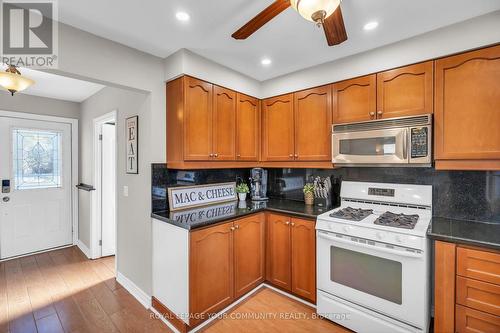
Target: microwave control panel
{"x":419,"y":142}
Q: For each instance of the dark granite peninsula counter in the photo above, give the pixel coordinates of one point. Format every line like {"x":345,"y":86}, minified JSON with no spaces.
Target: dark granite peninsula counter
{"x":213,"y":214}
{"x":481,"y":234}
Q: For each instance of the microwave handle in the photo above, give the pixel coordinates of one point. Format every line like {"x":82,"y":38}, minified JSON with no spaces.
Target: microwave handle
{"x":376,"y":248}
{"x":405,"y":144}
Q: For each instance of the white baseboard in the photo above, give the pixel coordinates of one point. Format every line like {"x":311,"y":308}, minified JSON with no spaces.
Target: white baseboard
{"x":133,"y":289}
{"x":83,"y":248}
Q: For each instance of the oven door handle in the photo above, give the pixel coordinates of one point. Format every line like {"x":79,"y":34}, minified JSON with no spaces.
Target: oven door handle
{"x":376,"y":248}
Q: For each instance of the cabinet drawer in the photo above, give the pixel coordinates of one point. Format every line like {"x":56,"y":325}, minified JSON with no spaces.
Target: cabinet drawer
{"x":478,"y":295}
{"x":479,"y":265}
{"x":473,"y":321}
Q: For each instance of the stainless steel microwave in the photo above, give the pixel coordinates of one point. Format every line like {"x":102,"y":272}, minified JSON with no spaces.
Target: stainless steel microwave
{"x":405,"y":141}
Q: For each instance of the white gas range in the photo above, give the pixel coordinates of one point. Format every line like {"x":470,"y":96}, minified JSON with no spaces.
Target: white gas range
{"x":373,"y":258}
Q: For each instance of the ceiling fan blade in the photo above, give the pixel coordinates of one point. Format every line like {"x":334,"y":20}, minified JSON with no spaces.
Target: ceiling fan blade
{"x":262,"y":18}
{"x":334,"y":28}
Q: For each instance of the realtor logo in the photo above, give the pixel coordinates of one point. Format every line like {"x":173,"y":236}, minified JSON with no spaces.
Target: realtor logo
{"x":29,"y":33}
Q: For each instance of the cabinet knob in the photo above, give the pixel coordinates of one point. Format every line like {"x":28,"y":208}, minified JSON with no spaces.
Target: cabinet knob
{"x":372,"y":114}
{"x":287,"y":222}
{"x":379,"y":112}
{"x":216,"y":154}
{"x":236,"y":226}
{"x":296,"y":155}
{"x":292,"y":224}
{"x":291,"y":155}
{"x":238,"y":155}
{"x":211,"y":155}
{"x":232,"y":228}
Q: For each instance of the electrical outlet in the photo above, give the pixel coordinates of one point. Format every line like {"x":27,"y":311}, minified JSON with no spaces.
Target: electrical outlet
{"x":125,"y":191}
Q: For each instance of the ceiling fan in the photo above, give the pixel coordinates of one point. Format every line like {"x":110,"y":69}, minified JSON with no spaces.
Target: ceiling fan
{"x":325,"y":13}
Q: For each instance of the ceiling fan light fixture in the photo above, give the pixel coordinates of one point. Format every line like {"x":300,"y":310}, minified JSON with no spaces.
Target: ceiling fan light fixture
{"x":13,"y":81}
{"x":315,"y":10}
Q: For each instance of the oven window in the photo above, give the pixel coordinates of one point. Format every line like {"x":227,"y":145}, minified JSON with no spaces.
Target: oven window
{"x":370,"y":274}
{"x":370,"y":146}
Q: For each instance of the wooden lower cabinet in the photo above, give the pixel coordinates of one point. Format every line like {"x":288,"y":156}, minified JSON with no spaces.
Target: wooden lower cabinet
{"x":291,"y":259}
{"x":303,"y":252}
{"x":249,"y":253}
{"x":211,"y":281}
{"x":467,"y":289}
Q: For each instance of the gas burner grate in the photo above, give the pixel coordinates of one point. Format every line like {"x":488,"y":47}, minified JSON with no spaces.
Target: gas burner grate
{"x":397,"y":220}
{"x":352,"y":214}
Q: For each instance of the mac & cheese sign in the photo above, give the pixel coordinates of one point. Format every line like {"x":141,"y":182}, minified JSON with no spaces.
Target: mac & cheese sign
{"x":200,"y":195}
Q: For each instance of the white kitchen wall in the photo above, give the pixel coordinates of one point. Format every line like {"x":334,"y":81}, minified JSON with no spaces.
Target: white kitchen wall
{"x":38,"y":105}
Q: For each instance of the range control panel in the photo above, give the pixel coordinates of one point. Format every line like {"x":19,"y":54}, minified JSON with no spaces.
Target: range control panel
{"x":419,"y":142}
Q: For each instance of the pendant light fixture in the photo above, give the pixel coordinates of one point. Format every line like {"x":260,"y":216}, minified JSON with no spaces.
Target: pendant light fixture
{"x":13,"y":81}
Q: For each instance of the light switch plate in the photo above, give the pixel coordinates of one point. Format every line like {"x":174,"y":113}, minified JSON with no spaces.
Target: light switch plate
{"x":125,"y":191}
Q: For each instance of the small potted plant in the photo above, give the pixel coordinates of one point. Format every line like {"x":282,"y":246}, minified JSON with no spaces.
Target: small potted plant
{"x":309,"y":193}
{"x":242,"y":190}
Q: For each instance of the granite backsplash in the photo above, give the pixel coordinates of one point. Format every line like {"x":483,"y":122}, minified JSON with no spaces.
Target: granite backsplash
{"x":463,"y":195}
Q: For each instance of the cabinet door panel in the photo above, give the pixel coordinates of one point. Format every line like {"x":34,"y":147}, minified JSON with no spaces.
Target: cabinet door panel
{"x":405,"y":91}
{"x":304,"y":258}
{"x":278,"y":242}
{"x":278,"y":128}
{"x":224,"y":124}
{"x":210,"y":270}
{"x":467,"y":102}
{"x":247,"y":128}
{"x":198,"y":120}
{"x":473,"y":321}
{"x":249,"y":253}
{"x":354,"y":100}
{"x":313,"y":120}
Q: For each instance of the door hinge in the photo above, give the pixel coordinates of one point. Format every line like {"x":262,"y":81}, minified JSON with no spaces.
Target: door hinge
{"x":100,"y":242}
{"x":100,"y":137}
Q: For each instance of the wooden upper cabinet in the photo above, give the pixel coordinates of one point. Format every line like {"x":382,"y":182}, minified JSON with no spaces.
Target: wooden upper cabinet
{"x":210,"y":270}
{"x":247,"y":128}
{"x":303,"y":248}
{"x":278,"y":128}
{"x":278,"y":247}
{"x":405,"y":91}
{"x":197,"y":119}
{"x":354,"y":99}
{"x":313,"y":120}
{"x":467,"y":112}
{"x":249,"y":253}
{"x":224,"y":124}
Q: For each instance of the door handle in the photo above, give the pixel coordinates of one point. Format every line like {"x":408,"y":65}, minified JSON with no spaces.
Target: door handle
{"x":6,"y":199}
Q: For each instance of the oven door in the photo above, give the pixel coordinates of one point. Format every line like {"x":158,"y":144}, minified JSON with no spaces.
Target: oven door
{"x":389,"y":281}
{"x":386,"y":146}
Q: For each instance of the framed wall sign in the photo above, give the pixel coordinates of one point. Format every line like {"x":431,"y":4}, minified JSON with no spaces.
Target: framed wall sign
{"x":132,"y":126}
{"x":183,"y":197}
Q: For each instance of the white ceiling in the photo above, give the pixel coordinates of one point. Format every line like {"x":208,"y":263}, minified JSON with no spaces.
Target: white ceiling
{"x":290,"y":41}
{"x":58,"y":87}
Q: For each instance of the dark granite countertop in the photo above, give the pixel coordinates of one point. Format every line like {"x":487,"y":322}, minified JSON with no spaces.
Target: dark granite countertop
{"x":213,"y":214}
{"x":466,"y":232}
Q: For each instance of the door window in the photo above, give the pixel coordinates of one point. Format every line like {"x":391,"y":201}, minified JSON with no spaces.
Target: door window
{"x":37,"y":160}
{"x":369,"y":146}
{"x":367,"y":273}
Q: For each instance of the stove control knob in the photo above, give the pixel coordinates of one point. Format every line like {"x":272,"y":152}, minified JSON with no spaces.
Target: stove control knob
{"x":380,"y":235}
{"x":346,"y":228}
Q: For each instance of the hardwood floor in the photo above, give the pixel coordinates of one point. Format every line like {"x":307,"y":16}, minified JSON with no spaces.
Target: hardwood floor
{"x":63,"y":291}
{"x":268,"y":311}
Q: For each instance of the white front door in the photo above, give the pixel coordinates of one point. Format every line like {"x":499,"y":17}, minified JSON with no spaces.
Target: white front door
{"x":35,"y":157}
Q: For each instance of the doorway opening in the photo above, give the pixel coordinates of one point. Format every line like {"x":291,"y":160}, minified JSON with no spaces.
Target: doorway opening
{"x":104,"y":226}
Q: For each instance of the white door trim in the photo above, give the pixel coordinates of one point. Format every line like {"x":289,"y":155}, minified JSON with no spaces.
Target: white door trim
{"x":96,"y":222}
{"x":74,"y":156}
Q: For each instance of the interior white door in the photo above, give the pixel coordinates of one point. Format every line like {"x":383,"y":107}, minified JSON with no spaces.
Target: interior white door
{"x":108,"y":196}
{"x":35,"y":156}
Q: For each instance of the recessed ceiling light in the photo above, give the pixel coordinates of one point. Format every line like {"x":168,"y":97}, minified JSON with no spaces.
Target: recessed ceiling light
{"x":182,"y":16}
{"x":266,"y":61}
{"x":371,"y":25}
